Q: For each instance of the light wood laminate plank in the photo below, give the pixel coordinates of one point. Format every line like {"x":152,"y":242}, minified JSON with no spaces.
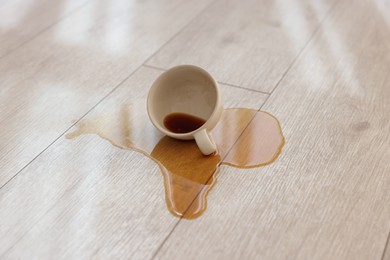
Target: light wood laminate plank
{"x":22,"y":20}
{"x":64,"y":72}
{"x":84,"y":198}
{"x":246,"y":43}
{"x":327,"y":196}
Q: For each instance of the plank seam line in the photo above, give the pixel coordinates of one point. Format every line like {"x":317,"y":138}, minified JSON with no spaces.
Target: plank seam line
{"x":220,"y":82}
{"x":72,"y":125}
{"x":93,"y":107}
{"x":304,"y":47}
{"x":109,"y":93}
{"x":277,"y":84}
{"x":386,"y":246}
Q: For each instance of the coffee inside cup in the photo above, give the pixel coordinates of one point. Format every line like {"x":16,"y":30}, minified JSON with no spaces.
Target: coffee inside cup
{"x":181,"y":123}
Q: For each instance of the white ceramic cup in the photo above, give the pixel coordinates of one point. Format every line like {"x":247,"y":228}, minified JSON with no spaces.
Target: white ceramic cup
{"x":191,"y":90}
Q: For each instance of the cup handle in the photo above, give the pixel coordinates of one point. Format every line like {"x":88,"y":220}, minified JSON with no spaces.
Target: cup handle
{"x":205,"y":142}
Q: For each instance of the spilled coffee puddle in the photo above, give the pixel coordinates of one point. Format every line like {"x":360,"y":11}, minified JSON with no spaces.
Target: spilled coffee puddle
{"x":245,"y":138}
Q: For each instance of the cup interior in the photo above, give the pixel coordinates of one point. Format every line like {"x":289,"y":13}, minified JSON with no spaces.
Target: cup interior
{"x":184,"y":89}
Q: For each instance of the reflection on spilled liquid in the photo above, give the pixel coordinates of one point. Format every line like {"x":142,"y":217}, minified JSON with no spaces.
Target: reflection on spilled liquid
{"x":245,"y":138}
{"x":188,"y":175}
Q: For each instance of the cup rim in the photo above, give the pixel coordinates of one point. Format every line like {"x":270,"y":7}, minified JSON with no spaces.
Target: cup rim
{"x":215,"y":111}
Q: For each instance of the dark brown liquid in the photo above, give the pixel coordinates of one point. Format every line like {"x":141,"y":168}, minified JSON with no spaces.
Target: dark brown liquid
{"x":181,"y":123}
{"x":245,"y":138}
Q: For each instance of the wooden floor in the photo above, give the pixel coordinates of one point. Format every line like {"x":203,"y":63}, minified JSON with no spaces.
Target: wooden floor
{"x":321,"y":67}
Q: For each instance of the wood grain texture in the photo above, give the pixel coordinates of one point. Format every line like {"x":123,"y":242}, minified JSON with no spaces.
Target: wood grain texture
{"x":327,"y":195}
{"x":84,"y":198}
{"x":22,"y":20}
{"x":247,"y":43}
{"x":64,"y":72}
{"x":90,"y":203}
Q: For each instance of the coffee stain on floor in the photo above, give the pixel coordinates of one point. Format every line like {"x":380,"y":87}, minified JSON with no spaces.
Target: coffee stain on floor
{"x":245,"y":138}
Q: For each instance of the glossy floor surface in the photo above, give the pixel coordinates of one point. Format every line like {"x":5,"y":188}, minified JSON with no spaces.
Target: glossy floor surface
{"x":321,"y":67}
